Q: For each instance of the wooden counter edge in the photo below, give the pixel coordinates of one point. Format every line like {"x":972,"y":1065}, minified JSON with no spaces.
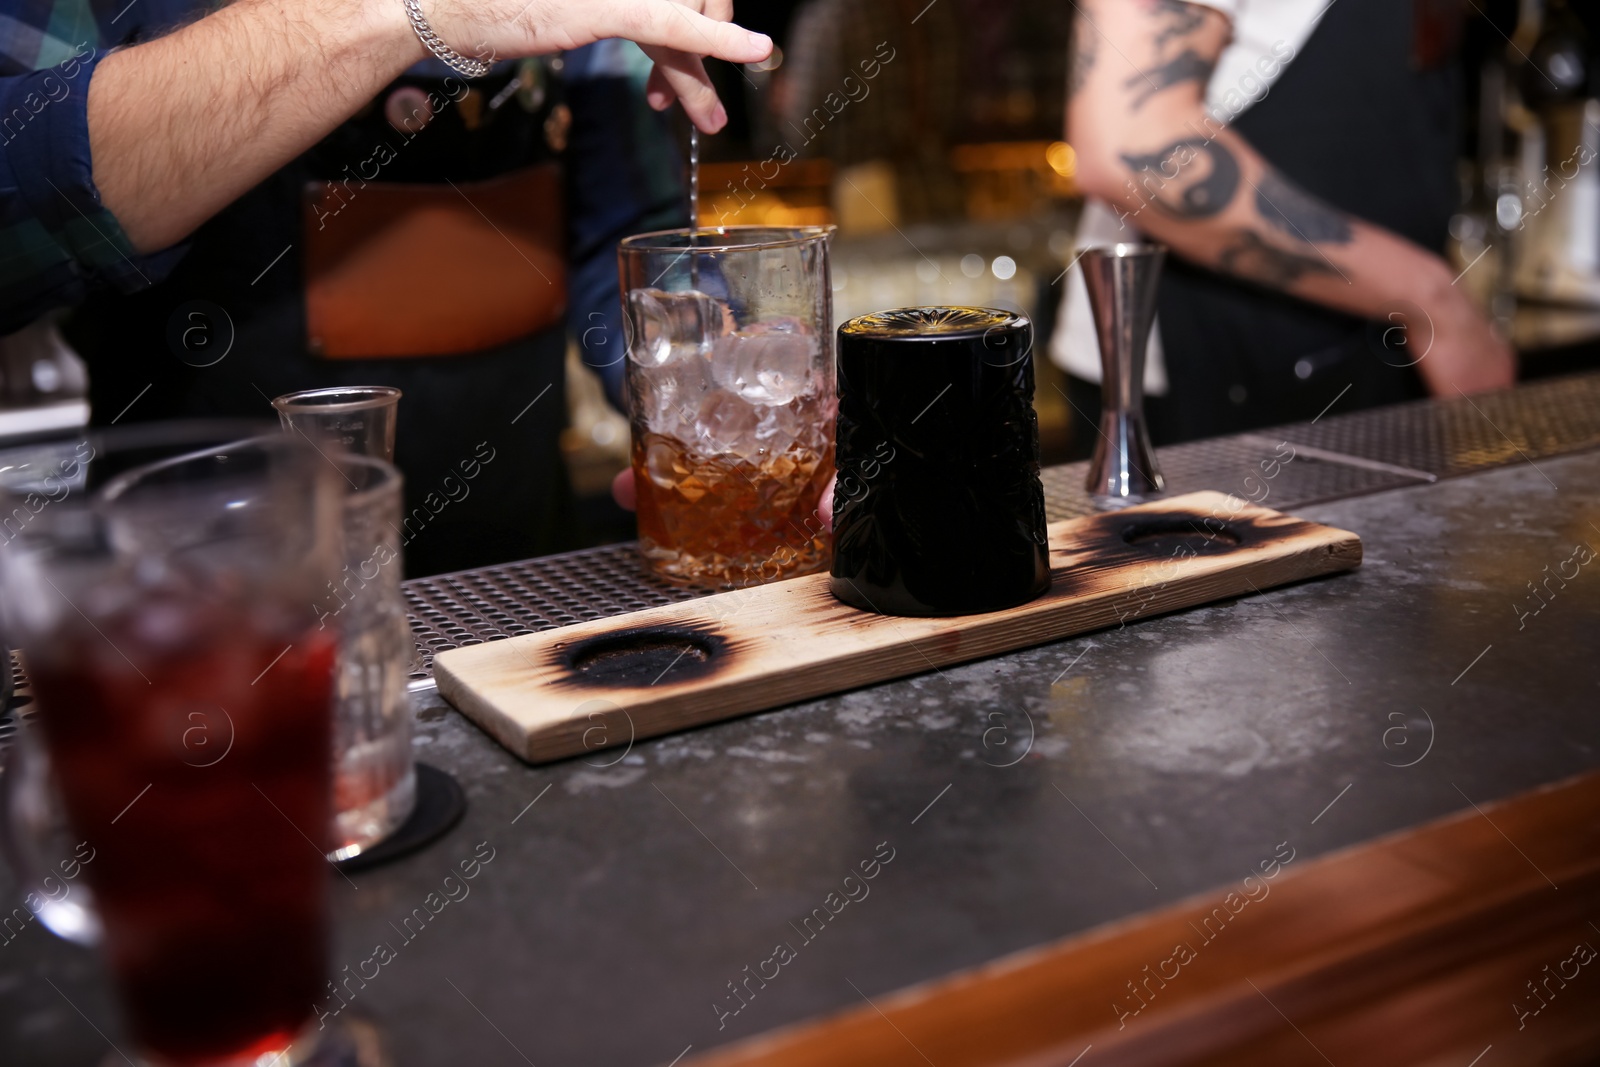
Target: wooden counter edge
{"x":1453,"y":918}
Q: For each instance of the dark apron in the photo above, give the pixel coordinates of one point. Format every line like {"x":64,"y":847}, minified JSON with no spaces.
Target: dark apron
{"x":485,"y":481}
{"x":1365,"y":117}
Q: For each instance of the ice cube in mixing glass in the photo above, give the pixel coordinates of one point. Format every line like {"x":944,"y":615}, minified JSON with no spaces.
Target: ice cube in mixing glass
{"x":770,"y":363}
{"x":673,"y":326}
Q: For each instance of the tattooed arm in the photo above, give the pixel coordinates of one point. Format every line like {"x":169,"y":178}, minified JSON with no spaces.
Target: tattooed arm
{"x":1147,"y":146}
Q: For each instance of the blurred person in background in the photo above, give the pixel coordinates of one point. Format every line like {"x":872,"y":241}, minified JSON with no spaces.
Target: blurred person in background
{"x":280,"y":195}
{"x":1299,"y":157}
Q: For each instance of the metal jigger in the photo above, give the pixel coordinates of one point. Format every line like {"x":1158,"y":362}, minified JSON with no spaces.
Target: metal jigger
{"x":1122,"y":292}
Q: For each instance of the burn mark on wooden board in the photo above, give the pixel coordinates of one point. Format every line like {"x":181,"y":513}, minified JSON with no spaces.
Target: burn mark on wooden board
{"x":642,"y":656}
{"x":1120,"y":539}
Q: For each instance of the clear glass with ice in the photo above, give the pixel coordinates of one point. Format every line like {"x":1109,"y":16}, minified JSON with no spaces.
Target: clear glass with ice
{"x":730,"y":382}
{"x":375,"y":774}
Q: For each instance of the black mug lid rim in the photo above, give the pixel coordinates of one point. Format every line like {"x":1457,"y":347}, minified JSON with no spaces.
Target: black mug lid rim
{"x":952,"y":322}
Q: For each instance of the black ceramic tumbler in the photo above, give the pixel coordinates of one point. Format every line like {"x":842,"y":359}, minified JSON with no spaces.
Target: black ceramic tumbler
{"x":938,"y":509}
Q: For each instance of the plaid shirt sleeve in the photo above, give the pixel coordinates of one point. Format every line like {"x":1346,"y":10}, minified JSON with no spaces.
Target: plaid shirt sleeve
{"x":56,"y":238}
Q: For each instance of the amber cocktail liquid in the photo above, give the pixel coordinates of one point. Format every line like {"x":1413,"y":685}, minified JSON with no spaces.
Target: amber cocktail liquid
{"x":728,"y":521}
{"x":731,"y":395}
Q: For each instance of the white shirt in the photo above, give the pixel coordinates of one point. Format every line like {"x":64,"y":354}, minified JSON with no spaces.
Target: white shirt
{"x":1267,"y":34}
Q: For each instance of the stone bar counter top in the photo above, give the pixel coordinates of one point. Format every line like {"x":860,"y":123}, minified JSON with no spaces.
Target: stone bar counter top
{"x":619,"y":904}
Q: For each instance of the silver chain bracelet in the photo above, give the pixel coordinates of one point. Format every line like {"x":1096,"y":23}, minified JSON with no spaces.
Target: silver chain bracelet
{"x":470,"y":68}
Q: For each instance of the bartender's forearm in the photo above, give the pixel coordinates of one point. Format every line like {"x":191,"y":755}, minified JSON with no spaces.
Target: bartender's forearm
{"x":1147,"y":146}
{"x":1215,"y":201}
{"x":182,"y":125}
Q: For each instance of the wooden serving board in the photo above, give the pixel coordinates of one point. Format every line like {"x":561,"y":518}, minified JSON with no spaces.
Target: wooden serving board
{"x":579,"y":688}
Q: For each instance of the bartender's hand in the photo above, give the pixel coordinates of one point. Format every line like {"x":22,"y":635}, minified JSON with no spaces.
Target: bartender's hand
{"x":673,"y":33}
{"x":183,"y":124}
{"x":1458,"y":349}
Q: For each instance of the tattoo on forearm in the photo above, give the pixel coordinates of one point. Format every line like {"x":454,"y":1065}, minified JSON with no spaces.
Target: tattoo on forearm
{"x":1196,"y":193}
{"x":1254,"y":259}
{"x":1289,"y":208}
{"x":1179,"y":19}
{"x":1085,"y":46}
{"x":1186,"y":66}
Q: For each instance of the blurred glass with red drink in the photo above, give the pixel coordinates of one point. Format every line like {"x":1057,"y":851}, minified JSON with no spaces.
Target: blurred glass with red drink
{"x":185,"y":690}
